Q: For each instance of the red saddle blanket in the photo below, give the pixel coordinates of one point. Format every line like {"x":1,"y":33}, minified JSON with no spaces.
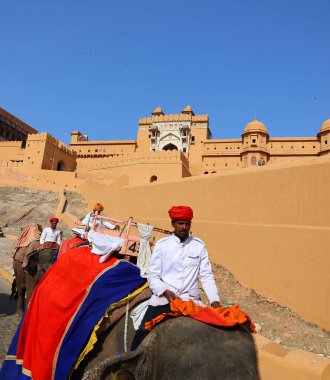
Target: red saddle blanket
{"x":220,"y":316}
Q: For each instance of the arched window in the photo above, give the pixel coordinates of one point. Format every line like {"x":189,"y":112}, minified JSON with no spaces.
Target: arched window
{"x":60,"y":166}
{"x":153,"y":178}
{"x":170,"y":147}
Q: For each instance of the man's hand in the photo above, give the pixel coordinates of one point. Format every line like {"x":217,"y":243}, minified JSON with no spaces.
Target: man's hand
{"x":169,"y":295}
{"x":215,"y":304}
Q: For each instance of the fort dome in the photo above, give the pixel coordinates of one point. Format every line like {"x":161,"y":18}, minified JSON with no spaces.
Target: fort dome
{"x":326,"y":126}
{"x":188,"y":110}
{"x":255,"y":126}
{"x":157,"y":111}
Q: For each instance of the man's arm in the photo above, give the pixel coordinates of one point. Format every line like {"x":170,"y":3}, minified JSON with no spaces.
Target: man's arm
{"x":59,"y":238}
{"x":108,"y":225}
{"x":207,"y":279}
{"x":86,"y":220}
{"x":43,"y":236}
{"x":156,"y":284}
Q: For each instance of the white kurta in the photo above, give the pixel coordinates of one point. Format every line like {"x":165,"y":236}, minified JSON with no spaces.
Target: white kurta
{"x":88,"y":221}
{"x":48,"y":234}
{"x":177,"y":267}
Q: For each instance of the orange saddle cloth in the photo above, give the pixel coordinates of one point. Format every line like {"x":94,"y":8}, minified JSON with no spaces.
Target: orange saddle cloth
{"x":220,"y":316}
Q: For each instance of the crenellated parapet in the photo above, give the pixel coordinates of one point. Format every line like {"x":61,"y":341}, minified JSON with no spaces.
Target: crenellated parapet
{"x":6,"y":144}
{"x":132,"y":159}
{"x":49,"y":139}
{"x":11,"y":164}
{"x":173,"y":117}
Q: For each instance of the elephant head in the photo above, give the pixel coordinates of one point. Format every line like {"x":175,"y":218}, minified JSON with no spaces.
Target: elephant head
{"x":184,"y":348}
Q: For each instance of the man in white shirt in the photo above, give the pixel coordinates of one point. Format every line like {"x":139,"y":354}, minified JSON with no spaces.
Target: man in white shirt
{"x":88,"y":222}
{"x":177,"y":264}
{"x":51,"y":237}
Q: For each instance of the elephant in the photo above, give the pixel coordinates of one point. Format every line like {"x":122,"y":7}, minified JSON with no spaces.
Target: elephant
{"x":178,"y":348}
{"x":30,"y":273}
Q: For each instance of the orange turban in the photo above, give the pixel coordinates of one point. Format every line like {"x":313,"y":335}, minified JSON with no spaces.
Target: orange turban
{"x":180,"y":213}
{"x":53,"y":220}
{"x":98,"y":207}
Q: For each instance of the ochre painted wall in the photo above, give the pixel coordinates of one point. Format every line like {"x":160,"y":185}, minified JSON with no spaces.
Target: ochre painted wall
{"x":270,"y":226}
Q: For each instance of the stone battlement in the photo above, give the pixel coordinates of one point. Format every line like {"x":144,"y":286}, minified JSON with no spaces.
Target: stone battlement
{"x":11,"y":164}
{"x":46,"y":137}
{"x":6,"y":144}
{"x":173,"y":117}
{"x":131,"y":159}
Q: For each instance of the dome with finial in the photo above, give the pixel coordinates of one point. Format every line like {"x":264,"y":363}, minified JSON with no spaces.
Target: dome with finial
{"x":157,"y":111}
{"x":255,"y":126}
{"x":326,"y":126}
{"x":188,"y":110}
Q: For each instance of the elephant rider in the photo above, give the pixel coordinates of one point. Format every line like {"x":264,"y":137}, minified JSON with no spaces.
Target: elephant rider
{"x":51,"y":237}
{"x":27,"y":243}
{"x":88,"y":222}
{"x":177,"y":264}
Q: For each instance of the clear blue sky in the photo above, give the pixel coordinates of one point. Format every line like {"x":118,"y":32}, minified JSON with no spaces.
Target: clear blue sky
{"x":97,"y":66}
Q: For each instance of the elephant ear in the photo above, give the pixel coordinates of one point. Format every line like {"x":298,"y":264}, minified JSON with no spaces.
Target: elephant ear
{"x":120,"y":366}
{"x":31,"y":264}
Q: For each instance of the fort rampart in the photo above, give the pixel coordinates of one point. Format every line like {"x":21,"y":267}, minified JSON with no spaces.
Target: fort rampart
{"x":269,"y":226}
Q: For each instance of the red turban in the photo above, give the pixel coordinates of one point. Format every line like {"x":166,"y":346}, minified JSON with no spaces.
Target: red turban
{"x":53,"y":220}
{"x":180,"y":213}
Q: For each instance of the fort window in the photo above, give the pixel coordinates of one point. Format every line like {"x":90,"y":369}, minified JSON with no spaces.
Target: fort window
{"x":226,"y":147}
{"x":206,"y":172}
{"x":213,"y":172}
{"x":226,"y":164}
{"x":96,"y":150}
{"x":314,"y":146}
{"x":170,"y":147}
{"x":254,"y":141}
{"x":303,"y":147}
{"x":153,"y":178}
{"x":325,"y":142}
{"x":192,"y":138}
{"x":184,"y":150}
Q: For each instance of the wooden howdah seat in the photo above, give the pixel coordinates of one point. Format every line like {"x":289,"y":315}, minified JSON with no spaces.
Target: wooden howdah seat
{"x":128,"y":232}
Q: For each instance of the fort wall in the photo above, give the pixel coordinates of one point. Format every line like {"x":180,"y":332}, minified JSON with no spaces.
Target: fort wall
{"x":43,"y":151}
{"x":11,"y":151}
{"x":270,"y":226}
{"x":141,"y":168}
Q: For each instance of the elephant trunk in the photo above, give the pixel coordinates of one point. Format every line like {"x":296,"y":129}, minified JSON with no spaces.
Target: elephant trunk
{"x":106,"y":365}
